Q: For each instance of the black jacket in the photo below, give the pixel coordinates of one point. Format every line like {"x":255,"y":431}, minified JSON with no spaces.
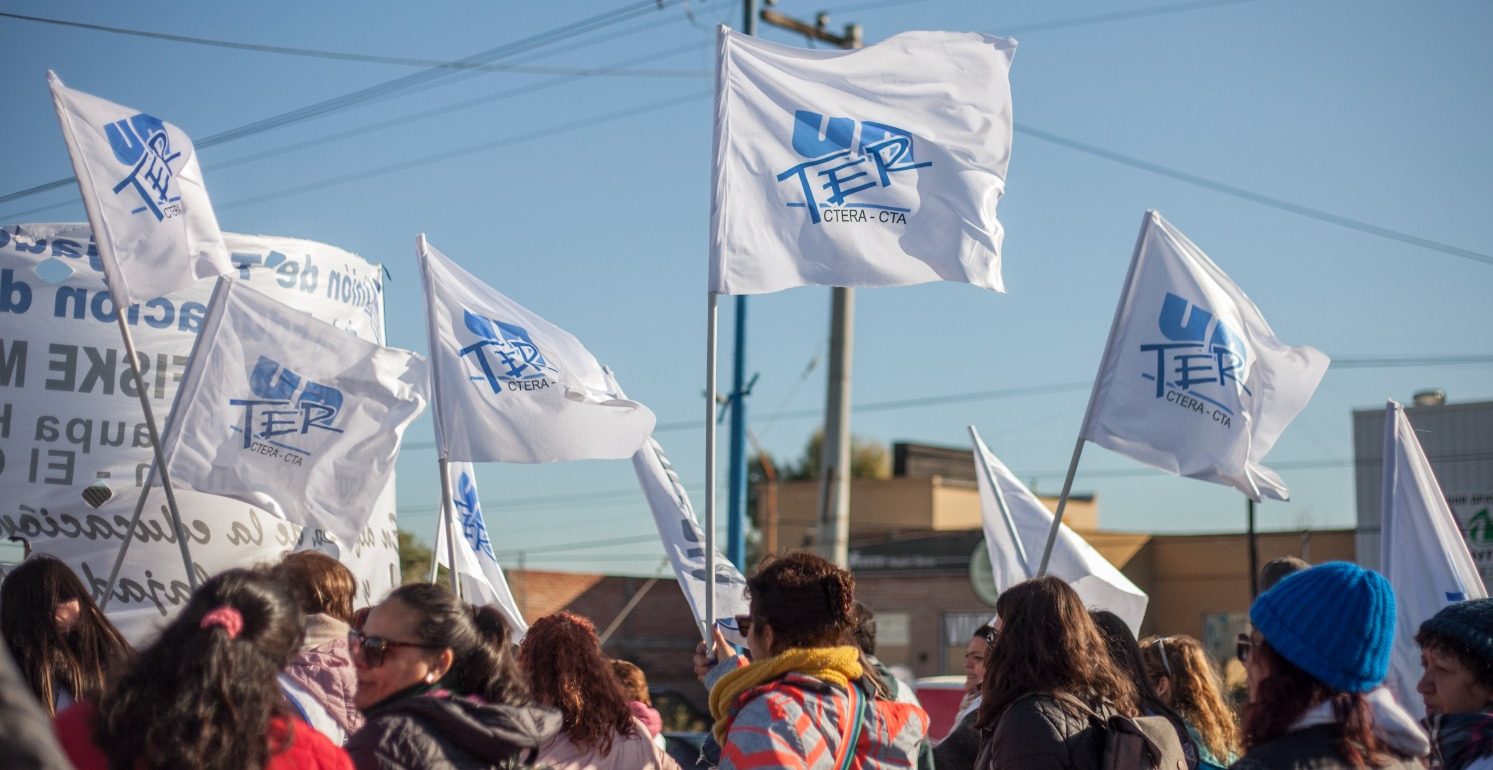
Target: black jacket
{"x":1040,"y":732}
{"x":1311,"y":748}
{"x":447,"y":731}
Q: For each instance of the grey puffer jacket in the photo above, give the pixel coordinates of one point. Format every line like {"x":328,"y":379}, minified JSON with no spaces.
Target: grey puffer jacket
{"x":440,"y":730}
{"x":1041,"y":732}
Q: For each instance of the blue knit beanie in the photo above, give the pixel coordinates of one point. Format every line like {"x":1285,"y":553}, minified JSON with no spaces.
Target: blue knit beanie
{"x":1469,"y":622}
{"x":1335,"y":621}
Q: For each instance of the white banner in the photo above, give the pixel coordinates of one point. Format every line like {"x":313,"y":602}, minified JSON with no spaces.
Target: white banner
{"x":684,"y":542}
{"x":1193,"y":380}
{"x":512,"y":387}
{"x":290,"y":414}
{"x":1016,"y":525}
{"x":1422,"y":552}
{"x":875,"y":167}
{"x":482,"y":579}
{"x":143,"y":190}
{"x":70,"y":416}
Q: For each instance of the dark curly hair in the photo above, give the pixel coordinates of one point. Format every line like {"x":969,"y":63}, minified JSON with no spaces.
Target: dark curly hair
{"x":482,"y":658}
{"x":806,"y":600}
{"x":199,"y":697}
{"x":1480,"y":666}
{"x":1048,"y":643}
{"x":1287,"y":692}
{"x":567,"y":671}
{"x":81,"y":661}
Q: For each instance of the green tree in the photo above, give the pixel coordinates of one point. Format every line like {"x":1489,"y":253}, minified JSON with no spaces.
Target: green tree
{"x":414,"y":558}
{"x":869,"y":459}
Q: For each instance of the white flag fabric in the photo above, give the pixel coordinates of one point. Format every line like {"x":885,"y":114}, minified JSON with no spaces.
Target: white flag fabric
{"x":684,"y":543}
{"x":513,"y":387}
{"x":875,"y":167}
{"x":1193,"y":381}
{"x":290,"y":414}
{"x":1016,"y":525}
{"x":143,"y":191}
{"x":482,"y":579}
{"x":1422,"y":551}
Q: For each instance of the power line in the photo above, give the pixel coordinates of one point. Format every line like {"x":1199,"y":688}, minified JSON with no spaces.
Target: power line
{"x":404,"y":83}
{"x":1105,"y":18}
{"x":353,"y":57}
{"x":491,"y":144}
{"x":578,"y":546}
{"x":1254,"y":197}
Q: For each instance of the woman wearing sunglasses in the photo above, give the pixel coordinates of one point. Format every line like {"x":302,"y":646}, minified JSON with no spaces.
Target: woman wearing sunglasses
{"x":804,"y":700}
{"x":1319,"y":651}
{"x":205,"y":694}
{"x":439,"y":688}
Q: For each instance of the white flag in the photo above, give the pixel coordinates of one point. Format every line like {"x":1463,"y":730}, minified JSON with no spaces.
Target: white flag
{"x":482,"y":580}
{"x":143,"y":192}
{"x":290,"y":414}
{"x":875,"y":167}
{"x":684,"y":542}
{"x":513,"y":387}
{"x":1016,"y":525}
{"x":1422,"y":551}
{"x":1193,"y":380}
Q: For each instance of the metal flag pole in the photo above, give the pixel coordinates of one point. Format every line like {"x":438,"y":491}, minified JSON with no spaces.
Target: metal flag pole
{"x":1088,"y":412}
{"x":710,"y":351}
{"x":129,"y":536}
{"x":1000,"y":502}
{"x":450,"y":526}
{"x":435,"y":545}
{"x":155,"y":444}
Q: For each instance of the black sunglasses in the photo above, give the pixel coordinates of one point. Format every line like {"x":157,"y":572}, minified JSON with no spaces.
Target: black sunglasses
{"x":374,"y":648}
{"x":1242,"y":647}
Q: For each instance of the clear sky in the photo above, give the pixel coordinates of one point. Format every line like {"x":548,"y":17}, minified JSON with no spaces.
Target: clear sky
{"x":582,"y":191}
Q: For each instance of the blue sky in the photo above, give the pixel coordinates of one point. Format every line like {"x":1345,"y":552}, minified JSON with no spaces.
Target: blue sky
{"x":585,"y":196}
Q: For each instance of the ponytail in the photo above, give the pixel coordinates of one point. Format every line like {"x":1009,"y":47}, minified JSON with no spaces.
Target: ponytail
{"x":488,"y":669}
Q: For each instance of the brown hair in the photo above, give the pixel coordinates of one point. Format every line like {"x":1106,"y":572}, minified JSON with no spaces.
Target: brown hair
{"x":321,"y":584}
{"x":567,"y":671}
{"x":82,"y":661}
{"x":634,"y":682}
{"x":1480,"y":666}
{"x":806,"y":600}
{"x":1047,"y":643}
{"x":1195,"y":693}
{"x":1287,"y":692}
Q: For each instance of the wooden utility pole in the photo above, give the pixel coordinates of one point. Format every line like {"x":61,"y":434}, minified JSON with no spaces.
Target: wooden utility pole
{"x":833,"y":538}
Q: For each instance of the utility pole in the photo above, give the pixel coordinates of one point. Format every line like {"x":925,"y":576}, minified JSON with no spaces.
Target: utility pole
{"x":833,"y":538}
{"x":736,"y":474}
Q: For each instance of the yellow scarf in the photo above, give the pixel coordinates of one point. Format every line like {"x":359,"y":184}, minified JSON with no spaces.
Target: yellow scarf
{"x":835,"y":665}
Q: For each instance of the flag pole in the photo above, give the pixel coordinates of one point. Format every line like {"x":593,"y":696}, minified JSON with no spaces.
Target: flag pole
{"x":129,"y":535}
{"x":450,"y":526}
{"x":710,"y":352}
{"x":1057,"y":517}
{"x":435,"y":545}
{"x":1000,"y":502}
{"x":1088,"y":412}
{"x":155,"y":443}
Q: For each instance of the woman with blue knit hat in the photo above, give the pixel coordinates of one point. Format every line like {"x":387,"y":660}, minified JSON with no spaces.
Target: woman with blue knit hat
{"x":1319,"y":651}
{"x":1456,"y":648}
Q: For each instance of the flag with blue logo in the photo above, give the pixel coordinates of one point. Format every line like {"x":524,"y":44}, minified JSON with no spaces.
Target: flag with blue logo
{"x":513,"y":387}
{"x":144,"y":194}
{"x":289,"y":413}
{"x":1016,"y":525}
{"x":1193,"y":380}
{"x":1422,"y":551}
{"x":482,"y":579}
{"x":880,"y":166}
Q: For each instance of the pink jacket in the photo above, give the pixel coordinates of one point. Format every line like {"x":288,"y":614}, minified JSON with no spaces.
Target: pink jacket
{"x":324,"y":668}
{"x":648,"y":715}
{"x":632,"y":752}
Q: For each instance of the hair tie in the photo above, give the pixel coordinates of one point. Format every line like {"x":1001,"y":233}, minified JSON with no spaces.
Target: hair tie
{"x":226,"y":618}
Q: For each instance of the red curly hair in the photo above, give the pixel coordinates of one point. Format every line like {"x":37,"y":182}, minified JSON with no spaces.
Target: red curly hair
{"x":567,"y":671}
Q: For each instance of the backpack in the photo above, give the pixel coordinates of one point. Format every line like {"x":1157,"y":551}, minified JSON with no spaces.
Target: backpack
{"x":1134,"y":743}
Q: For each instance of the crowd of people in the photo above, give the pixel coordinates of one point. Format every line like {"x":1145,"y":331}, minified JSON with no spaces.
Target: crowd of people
{"x":273,"y":668}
